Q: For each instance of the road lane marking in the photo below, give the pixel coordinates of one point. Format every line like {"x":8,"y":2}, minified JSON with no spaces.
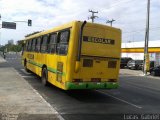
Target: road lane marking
{"x":49,"y":105}
{"x":140,"y":86}
{"x":23,"y":70}
{"x":12,"y":58}
{"x":36,"y":92}
{"x":120,"y":100}
{"x":121,"y":75}
{"x":25,"y":76}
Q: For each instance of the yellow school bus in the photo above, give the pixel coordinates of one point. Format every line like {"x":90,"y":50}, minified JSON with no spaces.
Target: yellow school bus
{"x":77,"y":55}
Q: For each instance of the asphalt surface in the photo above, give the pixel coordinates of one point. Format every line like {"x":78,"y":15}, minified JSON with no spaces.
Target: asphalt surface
{"x":137,"y":95}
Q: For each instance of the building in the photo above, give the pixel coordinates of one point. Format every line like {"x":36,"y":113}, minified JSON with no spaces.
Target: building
{"x":11,"y":42}
{"x":135,"y":50}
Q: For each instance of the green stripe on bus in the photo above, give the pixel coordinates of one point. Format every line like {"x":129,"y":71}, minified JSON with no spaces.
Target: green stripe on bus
{"x":63,"y":74}
{"x":55,"y":71}
{"x":48,"y":68}
{"x":34,"y":63}
{"x":51,"y":70}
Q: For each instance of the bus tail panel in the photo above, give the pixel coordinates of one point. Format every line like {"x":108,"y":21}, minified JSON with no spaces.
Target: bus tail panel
{"x":91,"y":85}
{"x":96,"y":73}
{"x":101,"y":41}
{"x":99,"y":63}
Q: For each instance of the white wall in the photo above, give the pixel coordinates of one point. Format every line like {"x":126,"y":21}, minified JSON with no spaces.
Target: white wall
{"x":135,"y":56}
{"x":155,"y":43}
{"x":140,"y":56}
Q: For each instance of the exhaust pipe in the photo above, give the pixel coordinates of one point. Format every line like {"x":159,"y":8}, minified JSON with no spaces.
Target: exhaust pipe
{"x":77,"y":67}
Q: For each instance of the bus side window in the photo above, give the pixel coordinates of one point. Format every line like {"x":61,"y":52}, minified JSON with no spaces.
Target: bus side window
{"x":34,"y":41}
{"x":44,"y":44}
{"x":26,"y":48}
{"x":30,"y":45}
{"x":52,"y":43}
{"x":63,"y":40}
{"x":38,"y":45}
{"x":23,"y":48}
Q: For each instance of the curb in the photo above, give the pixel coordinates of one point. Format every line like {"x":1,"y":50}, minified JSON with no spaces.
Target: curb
{"x":2,"y":59}
{"x":48,"y":104}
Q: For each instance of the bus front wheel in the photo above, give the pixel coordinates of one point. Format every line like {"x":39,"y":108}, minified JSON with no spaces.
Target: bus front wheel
{"x":44,"y":77}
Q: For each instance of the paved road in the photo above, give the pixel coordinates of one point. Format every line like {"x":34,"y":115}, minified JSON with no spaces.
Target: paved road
{"x":136,"y":95}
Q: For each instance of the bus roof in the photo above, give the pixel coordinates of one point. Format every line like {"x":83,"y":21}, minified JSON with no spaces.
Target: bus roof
{"x":64,"y":26}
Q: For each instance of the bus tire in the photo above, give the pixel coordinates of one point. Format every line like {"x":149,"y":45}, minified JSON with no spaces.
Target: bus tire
{"x":44,"y":77}
{"x":25,"y":66}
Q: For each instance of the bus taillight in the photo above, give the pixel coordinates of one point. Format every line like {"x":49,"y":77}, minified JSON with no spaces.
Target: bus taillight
{"x":77,"y":80}
{"x":112,"y":80}
{"x":95,"y":79}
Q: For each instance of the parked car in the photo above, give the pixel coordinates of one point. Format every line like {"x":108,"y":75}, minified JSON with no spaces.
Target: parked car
{"x":155,"y":71}
{"x":124,"y":61}
{"x":135,"y":64}
{"x":151,"y":65}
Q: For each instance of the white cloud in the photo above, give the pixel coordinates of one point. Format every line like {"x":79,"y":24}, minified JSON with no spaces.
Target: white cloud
{"x":129,"y":15}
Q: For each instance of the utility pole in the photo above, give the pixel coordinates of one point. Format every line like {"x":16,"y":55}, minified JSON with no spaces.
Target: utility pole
{"x":146,"y":55}
{"x":110,"y":21}
{"x":93,"y":16}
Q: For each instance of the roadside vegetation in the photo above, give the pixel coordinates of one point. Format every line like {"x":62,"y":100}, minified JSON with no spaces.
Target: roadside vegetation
{"x":11,"y":48}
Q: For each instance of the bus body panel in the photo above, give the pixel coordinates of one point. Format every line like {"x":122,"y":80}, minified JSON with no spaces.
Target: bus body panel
{"x":100,"y":54}
{"x":101,"y":41}
{"x":100,"y":58}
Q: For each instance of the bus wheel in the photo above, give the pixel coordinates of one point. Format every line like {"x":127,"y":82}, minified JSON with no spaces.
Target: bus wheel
{"x":25,"y":67}
{"x":44,"y":77}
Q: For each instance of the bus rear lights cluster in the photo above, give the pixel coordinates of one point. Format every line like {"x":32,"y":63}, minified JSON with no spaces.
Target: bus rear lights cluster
{"x":95,"y":79}
{"x":112,"y":80}
{"x":77,"y":80}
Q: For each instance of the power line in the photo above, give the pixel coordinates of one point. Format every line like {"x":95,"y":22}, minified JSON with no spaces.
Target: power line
{"x":141,"y":30}
{"x":118,"y":3}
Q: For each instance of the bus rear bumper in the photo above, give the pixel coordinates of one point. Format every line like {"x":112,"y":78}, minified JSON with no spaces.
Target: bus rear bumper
{"x":91,"y":85}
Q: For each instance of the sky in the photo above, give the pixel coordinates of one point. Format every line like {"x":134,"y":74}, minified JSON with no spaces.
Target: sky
{"x":130,"y":16}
